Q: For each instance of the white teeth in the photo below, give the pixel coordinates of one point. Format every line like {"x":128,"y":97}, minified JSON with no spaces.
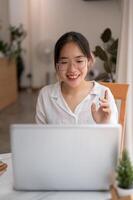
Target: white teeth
{"x":72,"y":76}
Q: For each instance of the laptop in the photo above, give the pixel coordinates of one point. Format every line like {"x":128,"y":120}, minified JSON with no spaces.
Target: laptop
{"x":64,"y":157}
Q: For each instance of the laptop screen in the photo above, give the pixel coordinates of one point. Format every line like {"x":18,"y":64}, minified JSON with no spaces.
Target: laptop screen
{"x":64,"y":157}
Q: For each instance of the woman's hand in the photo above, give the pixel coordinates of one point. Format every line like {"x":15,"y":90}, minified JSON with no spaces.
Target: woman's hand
{"x":103,"y":113}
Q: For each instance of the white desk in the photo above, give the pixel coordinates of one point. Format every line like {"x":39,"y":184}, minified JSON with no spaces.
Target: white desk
{"x":7,"y":192}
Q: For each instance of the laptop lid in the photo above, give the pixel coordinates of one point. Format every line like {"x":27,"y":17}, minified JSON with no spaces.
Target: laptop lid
{"x":64,"y":157}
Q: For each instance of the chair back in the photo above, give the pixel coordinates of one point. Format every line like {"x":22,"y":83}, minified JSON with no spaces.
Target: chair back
{"x":120,"y":91}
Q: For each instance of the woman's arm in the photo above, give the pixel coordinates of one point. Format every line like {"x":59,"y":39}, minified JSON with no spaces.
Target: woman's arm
{"x":40,"y":116}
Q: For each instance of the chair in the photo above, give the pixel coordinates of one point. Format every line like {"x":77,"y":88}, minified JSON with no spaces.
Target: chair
{"x":119,"y":91}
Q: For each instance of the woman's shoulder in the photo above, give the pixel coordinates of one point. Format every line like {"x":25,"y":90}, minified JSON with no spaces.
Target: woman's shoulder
{"x":99,"y":86}
{"x":100,"y":89}
{"x":49,"y":89}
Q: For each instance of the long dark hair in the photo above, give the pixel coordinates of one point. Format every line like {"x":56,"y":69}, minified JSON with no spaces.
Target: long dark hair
{"x":76,"y":37}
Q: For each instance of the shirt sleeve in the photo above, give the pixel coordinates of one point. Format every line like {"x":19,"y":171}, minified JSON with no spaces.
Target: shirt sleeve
{"x":40,"y":116}
{"x":113,"y":107}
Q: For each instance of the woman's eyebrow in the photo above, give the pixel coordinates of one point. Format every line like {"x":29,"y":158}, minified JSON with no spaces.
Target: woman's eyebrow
{"x":63,"y":57}
{"x":80,"y":56}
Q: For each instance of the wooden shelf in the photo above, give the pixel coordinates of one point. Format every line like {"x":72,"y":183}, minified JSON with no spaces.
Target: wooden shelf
{"x":8,"y":82}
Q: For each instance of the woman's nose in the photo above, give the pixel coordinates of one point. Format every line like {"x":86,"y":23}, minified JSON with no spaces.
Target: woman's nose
{"x":71,"y":66}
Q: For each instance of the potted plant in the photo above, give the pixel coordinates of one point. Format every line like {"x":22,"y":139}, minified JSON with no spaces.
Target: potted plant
{"x":108,"y":54}
{"x":17,"y":35}
{"x":3,"y":48}
{"x":13,"y":50}
{"x":124,"y":174}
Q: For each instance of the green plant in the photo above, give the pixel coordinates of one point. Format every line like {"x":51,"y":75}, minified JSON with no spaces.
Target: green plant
{"x":108,"y":54}
{"x":125,"y":171}
{"x":4,"y":48}
{"x":17,"y":35}
{"x":14,"y":49}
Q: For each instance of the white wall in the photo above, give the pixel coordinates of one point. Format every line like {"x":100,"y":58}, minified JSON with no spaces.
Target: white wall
{"x":60,"y":16}
{"x":18,"y":14}
{"x":4,"y":20}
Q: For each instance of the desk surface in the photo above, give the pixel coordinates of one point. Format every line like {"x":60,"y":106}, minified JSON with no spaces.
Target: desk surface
{"x":7,"y":192}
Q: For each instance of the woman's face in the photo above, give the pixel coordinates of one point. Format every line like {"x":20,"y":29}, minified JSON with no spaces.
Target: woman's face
{"x":72,"y":66}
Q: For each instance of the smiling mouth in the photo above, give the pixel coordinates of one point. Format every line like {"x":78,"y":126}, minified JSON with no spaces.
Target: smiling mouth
{"x":73,"y":77}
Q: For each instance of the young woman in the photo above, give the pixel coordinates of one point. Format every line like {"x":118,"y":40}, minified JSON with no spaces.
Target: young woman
{"x":73,"y":100}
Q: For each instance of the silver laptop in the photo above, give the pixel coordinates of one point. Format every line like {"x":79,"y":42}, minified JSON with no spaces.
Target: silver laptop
{"x":64,"y":157}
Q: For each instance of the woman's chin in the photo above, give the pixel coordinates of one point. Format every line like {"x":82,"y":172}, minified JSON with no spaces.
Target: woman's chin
{"x":74,"y":82}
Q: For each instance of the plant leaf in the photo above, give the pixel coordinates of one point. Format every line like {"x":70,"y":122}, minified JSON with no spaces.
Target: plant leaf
{"x":99,"y":52}
{"x":106,"y":35}
{"x":107,"y":67}
{"x":102,"y":77}
{"x":113,"y":48}
{"x":125,"y":171}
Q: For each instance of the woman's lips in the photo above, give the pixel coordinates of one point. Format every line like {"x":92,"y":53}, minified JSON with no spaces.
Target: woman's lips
{"x":72,"y":76}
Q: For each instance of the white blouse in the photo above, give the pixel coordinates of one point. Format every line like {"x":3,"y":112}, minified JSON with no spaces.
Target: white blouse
{"x":52,"y":108}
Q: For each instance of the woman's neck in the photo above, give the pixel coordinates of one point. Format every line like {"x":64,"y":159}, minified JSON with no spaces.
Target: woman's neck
{"x":66,"y":90}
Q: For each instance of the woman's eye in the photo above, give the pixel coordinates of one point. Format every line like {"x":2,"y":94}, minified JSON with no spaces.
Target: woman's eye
{"x":79,"y":61}
{"x":63,"y":63}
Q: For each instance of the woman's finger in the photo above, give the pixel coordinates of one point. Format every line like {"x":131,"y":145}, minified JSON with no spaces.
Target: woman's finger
{"x":107,"y":110}
{"x":105,"y":105}
{"x":93,"y":107}
{"x":106,"y":95}
{"x":103,"y":100}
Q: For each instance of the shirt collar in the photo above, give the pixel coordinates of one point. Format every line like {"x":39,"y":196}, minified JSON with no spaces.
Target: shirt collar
{"x":56,"y":90}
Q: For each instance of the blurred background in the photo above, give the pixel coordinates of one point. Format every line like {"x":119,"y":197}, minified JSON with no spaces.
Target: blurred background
{"x":28,"y":32}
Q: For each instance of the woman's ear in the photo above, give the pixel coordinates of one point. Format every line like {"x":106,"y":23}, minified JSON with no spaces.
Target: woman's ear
{"x":91,"y":60}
